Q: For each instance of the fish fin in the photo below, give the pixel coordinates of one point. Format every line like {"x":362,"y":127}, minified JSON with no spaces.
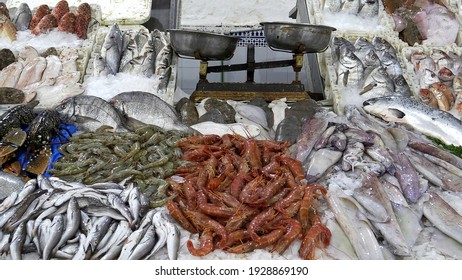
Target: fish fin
{"x":398,"y":114}
{"x":345,"y":78}
{"x":368,"y":88}
{"x":132,"y":124}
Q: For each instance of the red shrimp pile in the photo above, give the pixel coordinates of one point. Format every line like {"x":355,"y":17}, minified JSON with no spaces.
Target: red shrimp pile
{"x":244,"y":194}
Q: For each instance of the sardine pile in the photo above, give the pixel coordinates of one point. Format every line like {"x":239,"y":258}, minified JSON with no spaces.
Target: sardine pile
{"x":62,"y":220}
{"x":138,"y":52}
{"x":439,"y":77}
{"x":48,"y":78}
{"x":146,"y":156}
{"x":244,"y":194}
{"x":387,"y":188}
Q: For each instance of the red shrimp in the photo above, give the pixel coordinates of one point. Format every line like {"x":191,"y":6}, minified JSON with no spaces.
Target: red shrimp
{"x":237,"y":237}
{"x":317,"y":235}
{"x":203,"y":222}
{"x":263,"y":242}
{"x":295,"y":195}
{"x":292,"y":231}
{"x":259,"y":221}
{"x":178,"y":215}
{"x":310,"y":193}
{"x":205,"y":247}
{"x":295,"y":166}
{"x":213,"y":210}
{"x":251,"y":190}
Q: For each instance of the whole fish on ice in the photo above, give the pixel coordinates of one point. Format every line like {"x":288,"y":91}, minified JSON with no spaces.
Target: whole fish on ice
{"x":421,"y":117}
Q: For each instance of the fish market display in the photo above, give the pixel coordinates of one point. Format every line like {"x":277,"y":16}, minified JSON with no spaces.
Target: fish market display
{"x":55,"y":219}
{"x":438,"y":75}
{"x":423,"y":22}
{"x":387,"y":186}
{"x":242,"y":194}
{"x":146,"y":156}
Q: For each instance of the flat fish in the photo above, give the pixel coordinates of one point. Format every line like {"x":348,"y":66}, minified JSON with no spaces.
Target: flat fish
{"x":188,"y":112}
{"x":213,"y":115}
{"x":250,"y":112}
{"x":148,"y":108}
{"x":9,"y":76}
{"x":32,"y":72}
{"x":245,"y":130}
{"x":50,"y":96}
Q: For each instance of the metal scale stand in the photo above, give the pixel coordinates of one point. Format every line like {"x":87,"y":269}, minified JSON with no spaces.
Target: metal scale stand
{"x":295,"y":38}
{"x":250,"y":89}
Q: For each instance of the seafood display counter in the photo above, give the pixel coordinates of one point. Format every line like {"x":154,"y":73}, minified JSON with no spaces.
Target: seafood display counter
{"x":129,"y":176}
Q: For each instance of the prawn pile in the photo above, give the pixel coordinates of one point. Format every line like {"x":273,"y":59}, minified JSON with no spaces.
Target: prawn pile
{"x":242,"y":194}
{"x":145,"y":156}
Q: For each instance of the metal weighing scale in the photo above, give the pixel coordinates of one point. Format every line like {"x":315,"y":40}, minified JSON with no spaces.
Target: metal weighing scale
{"x":295,"y":38}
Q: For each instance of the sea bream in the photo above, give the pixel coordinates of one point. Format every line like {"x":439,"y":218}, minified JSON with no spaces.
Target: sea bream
{"x":147,"y":108}
{"x":89,"y":113}
{"x":424,"y":118}
{"x":350,"y":70}
{"x":112,"y":49}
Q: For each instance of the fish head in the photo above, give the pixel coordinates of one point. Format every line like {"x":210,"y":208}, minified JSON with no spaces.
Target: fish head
{"x":66,"y":109}
{"x":362,"y":43}
{"x":383,"y":107}
{"x":348,"y":58}
{"x":371,"y":58}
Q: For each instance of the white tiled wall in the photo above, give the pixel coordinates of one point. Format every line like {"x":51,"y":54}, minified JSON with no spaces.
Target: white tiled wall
{"x":188,"y":69}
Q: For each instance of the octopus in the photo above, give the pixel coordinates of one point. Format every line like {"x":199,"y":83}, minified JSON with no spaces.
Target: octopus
{"x":47,"y":23}
{"x":61,"y":8}
{"x":67,"y":23}
{"x":42,"y":11}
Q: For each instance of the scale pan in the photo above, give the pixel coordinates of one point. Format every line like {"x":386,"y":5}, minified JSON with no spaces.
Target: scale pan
{"x":202,"y":45}
{"x":297,"y":37}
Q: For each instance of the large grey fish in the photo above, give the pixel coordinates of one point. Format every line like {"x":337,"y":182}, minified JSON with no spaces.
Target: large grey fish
{"x":22,"y":17}
{"x":416,"y":114}
{"x":164,"y":79}
{"x":147,"y":108}
{"x":112,"y":49}
{"x":350,"y":69}
{"x":89,"y":113}
{"x":9,"y":183}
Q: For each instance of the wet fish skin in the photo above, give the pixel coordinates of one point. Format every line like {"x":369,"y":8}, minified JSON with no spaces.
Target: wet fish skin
{"x":112,"y":49}
{"x":132,"y":241}
{"x":421,"y":117}
{"x":72,"y":222}
{"x":22,"y":17}
{"x":311,"y":131}
{"x":9,"y":76}
{"x":17,"y":242}
{"x":443,"y":216}
{"x":173,"y":240}
{"x":350,"y":70}
{"x":401,"y":86}
{"x":9,"y":95}
{"x":56,"y":230}
{"x":97,"y":232}
{"x":10,"y":183}
{"x":148,"y":108}
{"x":32,"y":72}
{"x":145,"y":245}
{"x":89,"y":113}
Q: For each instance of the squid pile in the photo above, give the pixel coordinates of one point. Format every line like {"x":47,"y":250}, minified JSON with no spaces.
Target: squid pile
{"x":392,"y":194}
{"x":145,"y":156}
{"x":242,"y":194}
{"x":56,"y":219}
